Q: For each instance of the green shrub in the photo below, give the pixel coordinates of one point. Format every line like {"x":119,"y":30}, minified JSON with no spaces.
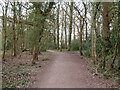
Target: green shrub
{"x":75,"y":45}
{"x":86,"y":47}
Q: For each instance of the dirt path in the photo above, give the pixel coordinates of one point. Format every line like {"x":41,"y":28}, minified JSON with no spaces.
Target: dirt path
{"x":67,"y":70}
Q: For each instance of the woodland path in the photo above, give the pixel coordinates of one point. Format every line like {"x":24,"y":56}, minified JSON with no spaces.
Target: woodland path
{"x":67,"y":70}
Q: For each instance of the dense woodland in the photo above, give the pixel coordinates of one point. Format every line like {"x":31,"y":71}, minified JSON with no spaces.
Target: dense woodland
{"x":92,"y":28}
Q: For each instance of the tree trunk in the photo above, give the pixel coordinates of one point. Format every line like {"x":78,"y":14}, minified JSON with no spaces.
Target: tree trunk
{"x":119,"y":27}
{"x":86,"y":31}
{"x":58,"y":26}
{"x":95,"y":54}
{"x":3,"y":35}
{"x":115,"y":55}
{"x":4,"y":29}
{"x":35,"y":44}
{"x":92,"y":32}
{"x":35,"y":54}
{"x":62,"y":31}
{"x":74,"y":37}
{"x":80,"y":35}
{"x":54,"y":34}
{"x":70,"y":27}
{"x":92,"y":42}
{"x":106,"y":27}
{"x":119,"y":33}
{"x":106,"y":30}
{"x":93,"y":37}
{"x":26,"y":43}
{"x":65,"y":29}
{"x":82,"y":21}
{"x":14,"y":34}
{"x":54,"y":37}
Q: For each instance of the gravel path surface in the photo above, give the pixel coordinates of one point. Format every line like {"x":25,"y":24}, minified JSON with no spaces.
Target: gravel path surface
{"x":67,"y":70}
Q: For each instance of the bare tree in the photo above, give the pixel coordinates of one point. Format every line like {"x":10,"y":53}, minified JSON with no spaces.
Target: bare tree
{"x":14,"y":30}
{"x":70,"y":27}
{"x":58,"y":26}
{"x":66,"y":28}
{"x":4,"y":28}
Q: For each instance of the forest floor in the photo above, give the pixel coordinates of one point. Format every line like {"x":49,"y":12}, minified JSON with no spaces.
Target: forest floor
{"x":54,"y":69}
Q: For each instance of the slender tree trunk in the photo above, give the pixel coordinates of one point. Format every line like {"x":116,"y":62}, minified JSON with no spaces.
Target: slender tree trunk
{"x":93,"y":37}
{"x":74,"y":29}
{"x":54,"y":38}
{"x":115,"y":55}
{"x":95,"y":54}
{"x":119,"y":33}
{"x":54,"y":34}
{"x":62,"y":31}
{"x":4,"y":29}
{"x":20,"y":35}
{"x":58,"y":26}
{"x":92,"y":33}
{"x":61,"y":40}
{"x":65,"y":29}
{"x":92,"y":42}
{"x":86,"y":32}
{"x":26,"y":43}
{"x":82,"y":21}
{"x":119,"y":27}
{"x":14,"y":34}
{"x":70,"y":27}
{"x":3,"y":35}
{"x":80,"y":35}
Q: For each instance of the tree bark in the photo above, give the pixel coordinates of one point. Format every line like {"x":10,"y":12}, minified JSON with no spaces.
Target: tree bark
{"x":119,"y":27}
{"x":74,"y":36}
{"x":119,"y":33}
{"x":54,"y":33}
{"x":3,"y":35}
{"x":26,"y":43}
{"x":106,"y":30}
{"x":14,"y":34}
{"x":82,"y":21}
{"x":70,"y":27}
{"x":65,"y":29}
{"x":54,"y":37}
{"x":115,"y":55}
{"x":4,"y":29}
{"x":62,"y":31}
{"x":106,"y":23}
{"x":93,"y":37}
{"x":58,"y":26}
{"x":86,"y":32}
{"x":80,"y":35}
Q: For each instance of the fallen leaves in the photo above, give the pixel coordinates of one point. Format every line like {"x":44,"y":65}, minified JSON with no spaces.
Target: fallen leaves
{"x":18,"y":72}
